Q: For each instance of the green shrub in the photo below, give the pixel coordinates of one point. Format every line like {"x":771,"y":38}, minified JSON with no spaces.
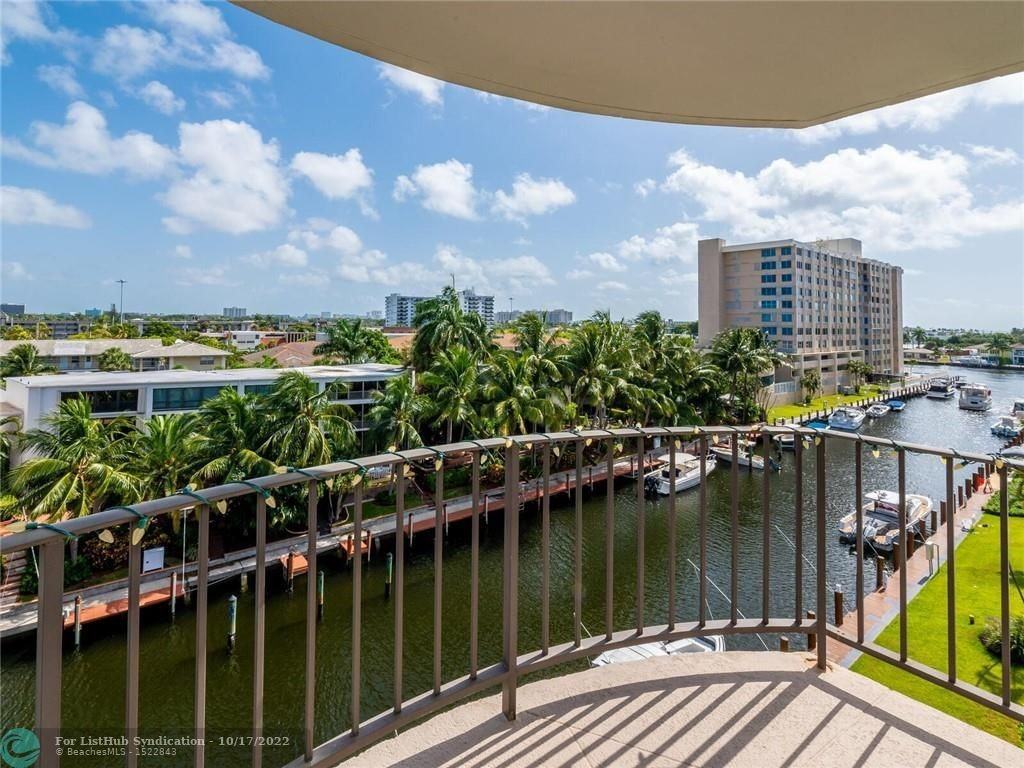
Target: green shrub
{"x":75,"y":571}
{"x":991,"y":636}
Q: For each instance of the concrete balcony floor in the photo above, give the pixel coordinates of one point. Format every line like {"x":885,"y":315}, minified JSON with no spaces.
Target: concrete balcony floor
{"x":728,"y":709}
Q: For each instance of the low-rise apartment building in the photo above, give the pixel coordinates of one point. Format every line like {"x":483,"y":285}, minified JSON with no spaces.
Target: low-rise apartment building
{"x":822,"y":303}
{"x":146,"y":354}
{"x":140,"y":395}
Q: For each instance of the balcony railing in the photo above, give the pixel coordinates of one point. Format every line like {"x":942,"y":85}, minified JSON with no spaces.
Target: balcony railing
{"x":515,"y":663}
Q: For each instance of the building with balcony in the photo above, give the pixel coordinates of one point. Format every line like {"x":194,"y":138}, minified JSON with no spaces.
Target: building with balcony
{"x":146,"y":354}
{"x":140,"y":395}
{"x":551,"y":316}
{"x":823,"y":304}
{"x":400,"y":310}
{"x":235,"y":312}
{"x":54,"y":327}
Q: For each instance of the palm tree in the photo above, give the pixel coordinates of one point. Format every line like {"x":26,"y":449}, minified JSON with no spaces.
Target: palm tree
{"x":114,"y":359}
{"x":346,"y":342}
{"x":395,"y":418}
{"x":1000,"y":343}
{"x":451,"y":389}
{"x":859,"y":371}
{"x":600,"y":363}
{"x":918,"y":335}
{"x":23,"y":360}
{"x":530,"y":332}
{"x":440,"y":324}
{"x":304,"y":426}
{"x":810,"y":383}
{"x":512,"y":402}
{"x":229,"y":437}
{"x":165,"y":454}
{"x":78,"y":464}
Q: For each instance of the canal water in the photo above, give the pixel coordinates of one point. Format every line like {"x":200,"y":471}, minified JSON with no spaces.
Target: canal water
{"x":94,"y":676}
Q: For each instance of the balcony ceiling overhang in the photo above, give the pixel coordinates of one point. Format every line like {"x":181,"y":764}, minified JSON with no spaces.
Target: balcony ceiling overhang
{"x":755,"y":63}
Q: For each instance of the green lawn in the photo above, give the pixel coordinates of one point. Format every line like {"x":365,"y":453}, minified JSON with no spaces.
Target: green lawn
{"x":372,"y":509}
{"x":977,"y":593}
{"x":820,"y":403}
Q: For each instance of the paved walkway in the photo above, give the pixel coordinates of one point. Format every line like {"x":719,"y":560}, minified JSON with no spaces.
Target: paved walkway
{"x":738,"y":709}
{"x":882,"y":607}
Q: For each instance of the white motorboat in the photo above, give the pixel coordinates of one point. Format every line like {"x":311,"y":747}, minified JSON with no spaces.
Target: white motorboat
{"x":847,"y":418}
{"x":881,"y":515}
{"x":747,"y":456}
{"x":708,"y":644}
{"x":877,"y":410}
{"x":1007,"y":426}
{"x":941,"y":388}
{"x":688,"y":474}
{"x":975,"y":397}
{"x":1018,"y":408}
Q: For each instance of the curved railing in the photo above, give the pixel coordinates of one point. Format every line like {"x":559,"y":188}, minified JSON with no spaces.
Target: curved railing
{"x":514,"y":664}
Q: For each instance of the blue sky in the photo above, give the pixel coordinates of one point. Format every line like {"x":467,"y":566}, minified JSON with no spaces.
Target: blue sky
{"x":212,"y":158}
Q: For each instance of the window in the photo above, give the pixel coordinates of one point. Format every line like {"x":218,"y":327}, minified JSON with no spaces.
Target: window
{"x":787,"y":303}
{"x":768,"y":265}
{"x":766,"y":317}
{"x":768,"y":278}
{"x":787,"y":250}
{"x":787,"y":331}
{"x":767,"y":291}
{"x":787,"y":290}
{"x":109,"y":400}
{"x":767,"y":252}
{"x":206,"y":360}
{"x":787,"y":277}
{"x":182,"y":398}
{"x":787,"y":318}
{"x":772,"y":330}
{"x":766,"y":304}
{"x":258,"y":389}
{"x":786,"y":264}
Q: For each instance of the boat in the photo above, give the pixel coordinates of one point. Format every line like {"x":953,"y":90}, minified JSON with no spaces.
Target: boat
{"x":746,"y":457}
{"x":877,"y":410}
{"x":1018,"y":408}
{"x":847,"y":418}
{"x":707,"y":644}
{"x":941,"y":388}
{"x":1007,"y":426}
{"x":688,"y":474}
{"x":975,"y":397}
{"x":881,"y":515}
{"x":896,"y":405}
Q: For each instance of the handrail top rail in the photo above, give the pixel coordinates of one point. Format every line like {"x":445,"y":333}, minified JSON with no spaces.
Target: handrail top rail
{"x":155,"y":507}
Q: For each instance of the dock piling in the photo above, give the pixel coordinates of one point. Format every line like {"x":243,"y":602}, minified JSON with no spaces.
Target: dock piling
{"x":783,"y":643}
{"x":174,"y":591}
{"x":320,"y":592}
{"x":389,"y":563}
{"x":232,"y":622}
{"x":289,"y":571}
{"x":243,"y":582}
{"x":838,"y":597}
{"x":78,"y":620}
{"x":879,"y":572}
{"x":812,"y":638}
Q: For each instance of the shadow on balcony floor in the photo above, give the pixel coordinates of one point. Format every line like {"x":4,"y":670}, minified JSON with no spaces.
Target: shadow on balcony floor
{"x":732,"y":709}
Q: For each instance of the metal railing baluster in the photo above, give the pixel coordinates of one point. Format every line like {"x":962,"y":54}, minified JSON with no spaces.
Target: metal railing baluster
{"x":357,"y":604}
{"x":901,"y":469}
{"x":766,"y":540}
{"x":545,"y":554}
{"x":672,"y":532}
{"x":819,"y":611}
{"x":858,"y":495}
{"x":49,"y":637}
{"x":202,"y":582}
{"x":702,"y":588}
{"x":399,"y":656}
{"x":510,"y":619}
{"x":609,"y":544}
{"x":131,"y":706}
{"x":1004,"y":581}
{"x":577,"y":557}
{"x":798,"y":524}
{"x":439,"y":571}
{"x":950,"y":574}
{"x":734,"y":531}
{"x":640,"y":534}
{"x":474,"y":570}
{"x":259,"y":631}
{"x":309,"y":722}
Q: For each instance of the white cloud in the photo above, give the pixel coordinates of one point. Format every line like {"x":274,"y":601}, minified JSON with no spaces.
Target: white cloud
{"x":286,"y":255}
{"x":32,"y":22}
{"x":85,"y":145}
{"x":337,"y":177}
{"x":531,"y":197}
{"x":579,"y":274}
{"x":61,"y":78}
{"x":197,"y":38}
{"x":928,"y":113}
{"x":237,"y":184}
{"x":994,"y":155}
{"x":426,"y":89}
{"x":189,"y":16}
{"x":314,"y":278}
{"x":894,"y":199}
{"x":444,"y":188}
{"x":498,"y":99}
{"x":19,"y":205}
{"x":645,"y":187}
{"x":606,"y":262}
{"x":325,"y":234}
{"x":676,"y":242}
{"x":15,"y":270}
{"x":612,"y":285}
{"x":161,"y":98}
{"x":515,"y":274}
{"x":215,"y":275}
{"x":182,"y":252}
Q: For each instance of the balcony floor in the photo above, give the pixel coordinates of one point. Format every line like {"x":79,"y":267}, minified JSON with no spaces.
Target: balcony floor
{"x":731,"y":709}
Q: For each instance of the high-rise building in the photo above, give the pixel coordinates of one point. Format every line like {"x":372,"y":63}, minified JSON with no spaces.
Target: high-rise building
{"x":235,"y":312}
{"x":822,"y":303}
{"x":94,"y":312}
{"x":399,"y":310}
{"x":550,"y":316}
{"x":12,"y":309}
{"x":471,"y":301}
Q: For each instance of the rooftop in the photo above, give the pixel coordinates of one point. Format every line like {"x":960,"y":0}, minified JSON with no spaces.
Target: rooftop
{"x":224,"y":376}
{"x":152,"y":347}
{"x":742,"y":709}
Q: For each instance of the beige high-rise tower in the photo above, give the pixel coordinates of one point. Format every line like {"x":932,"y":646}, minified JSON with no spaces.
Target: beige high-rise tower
{"x":822,"y":303}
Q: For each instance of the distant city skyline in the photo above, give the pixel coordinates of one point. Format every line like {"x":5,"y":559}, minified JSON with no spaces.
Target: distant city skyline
{"x":210,"y":158}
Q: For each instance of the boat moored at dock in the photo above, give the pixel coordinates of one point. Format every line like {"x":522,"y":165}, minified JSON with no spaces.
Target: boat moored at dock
{"x":746,"y":456}
{"x":877,"y":410}
{"x":941,"y":388}
{"x":708,"y":644}
{"x":975,"y":397}
{"x":1018,"y":408}
{"x":881,"y":515}
{"x":896,"y":405}
{"x":847,"y":418}
{"x":687,"y":474}
{"x":1007,"y":426}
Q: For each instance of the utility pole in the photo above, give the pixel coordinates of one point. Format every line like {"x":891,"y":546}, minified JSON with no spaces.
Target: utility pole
{"x":121,"y":305}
